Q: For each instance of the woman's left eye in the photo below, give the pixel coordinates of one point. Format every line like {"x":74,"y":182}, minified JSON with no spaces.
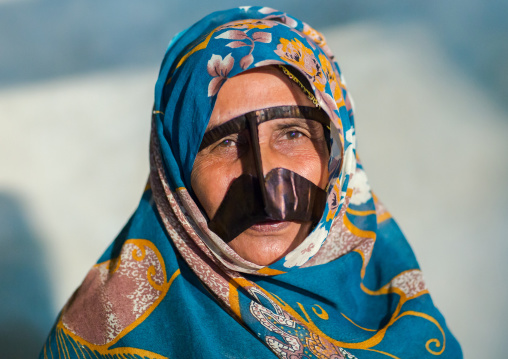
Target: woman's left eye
{"x":292,"y":135}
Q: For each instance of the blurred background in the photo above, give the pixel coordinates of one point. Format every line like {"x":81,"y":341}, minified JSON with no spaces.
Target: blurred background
{"x":430,"y":83}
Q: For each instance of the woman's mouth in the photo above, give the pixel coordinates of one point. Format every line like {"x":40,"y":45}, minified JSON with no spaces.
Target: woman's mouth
{"x":270,"y":226}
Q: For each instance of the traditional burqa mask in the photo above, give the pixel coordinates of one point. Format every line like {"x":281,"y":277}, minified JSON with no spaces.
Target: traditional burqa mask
{"x":281,"y":194}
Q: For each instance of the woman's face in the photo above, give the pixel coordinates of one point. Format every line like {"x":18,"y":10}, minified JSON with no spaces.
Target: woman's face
{"x":295,"y":144}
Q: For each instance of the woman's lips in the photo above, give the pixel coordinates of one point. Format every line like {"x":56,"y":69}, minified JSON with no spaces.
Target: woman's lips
{"x":270,"y":226}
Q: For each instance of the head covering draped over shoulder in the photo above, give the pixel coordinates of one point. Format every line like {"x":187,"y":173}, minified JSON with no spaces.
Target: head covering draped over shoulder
{"x":169,"y":287}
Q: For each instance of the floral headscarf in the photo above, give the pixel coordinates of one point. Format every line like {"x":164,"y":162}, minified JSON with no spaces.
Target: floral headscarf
{"x":169,"y":287}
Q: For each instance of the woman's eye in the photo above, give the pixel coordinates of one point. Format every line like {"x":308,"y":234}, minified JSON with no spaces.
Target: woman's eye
{"x":292,"y":135}
{"x":227,"y":143}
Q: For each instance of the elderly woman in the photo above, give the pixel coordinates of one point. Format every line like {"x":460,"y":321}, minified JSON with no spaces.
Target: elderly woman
{"x":257,"y":235}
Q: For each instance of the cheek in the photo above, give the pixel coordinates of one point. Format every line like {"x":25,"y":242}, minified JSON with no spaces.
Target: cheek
{"x":313,"y":167}
{"x":323,"y":159}
{"x":210,"y":182}
{"x":316,"y":171}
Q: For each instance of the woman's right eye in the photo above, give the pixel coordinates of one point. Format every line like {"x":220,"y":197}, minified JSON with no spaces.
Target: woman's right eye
{"x":231,"y":146}
{"x":228,"y":142}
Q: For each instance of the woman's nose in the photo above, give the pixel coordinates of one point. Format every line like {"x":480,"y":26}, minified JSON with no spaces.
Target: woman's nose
{"x":263,"y":160}
{"x":270,"y":158}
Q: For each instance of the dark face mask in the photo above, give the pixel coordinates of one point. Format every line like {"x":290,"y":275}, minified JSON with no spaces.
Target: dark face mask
{"x":281,"y":195}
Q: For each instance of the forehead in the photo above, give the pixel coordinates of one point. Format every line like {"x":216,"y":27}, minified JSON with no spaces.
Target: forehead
{"x":253,"y":90}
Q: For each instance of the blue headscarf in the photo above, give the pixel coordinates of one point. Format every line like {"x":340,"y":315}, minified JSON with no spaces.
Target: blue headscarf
{"x":169,"y":287}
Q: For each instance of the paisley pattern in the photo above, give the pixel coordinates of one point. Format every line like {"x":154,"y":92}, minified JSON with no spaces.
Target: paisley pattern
{"x":136,"y":281}
{"x":115,"y":297}
{"x":169,"y":287}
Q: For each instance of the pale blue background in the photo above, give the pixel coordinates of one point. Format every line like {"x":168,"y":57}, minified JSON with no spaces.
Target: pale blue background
{"x":430,"y":83}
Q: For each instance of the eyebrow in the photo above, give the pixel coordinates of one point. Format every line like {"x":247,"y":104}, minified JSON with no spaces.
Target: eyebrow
{"x":240,"y":123}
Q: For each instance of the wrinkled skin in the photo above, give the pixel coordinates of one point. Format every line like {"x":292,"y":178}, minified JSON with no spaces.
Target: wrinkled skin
{"x":298,"y":146}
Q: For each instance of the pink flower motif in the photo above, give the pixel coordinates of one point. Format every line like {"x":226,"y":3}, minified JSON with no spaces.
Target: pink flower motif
{"x":236,"y":44}
{"x":266,"y":10}
{"x":243,"y":39}
{"x":330,"y":102}
{"x":232,"y":35}
{"x":284,"y":18}
{"x":246,"y":61}
{"x":218,"y":68}
{"x":261,"y":36}
{"x":289,"y":21}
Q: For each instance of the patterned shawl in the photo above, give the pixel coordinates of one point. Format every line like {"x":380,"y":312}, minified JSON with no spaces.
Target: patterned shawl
{"x":169,"y":287}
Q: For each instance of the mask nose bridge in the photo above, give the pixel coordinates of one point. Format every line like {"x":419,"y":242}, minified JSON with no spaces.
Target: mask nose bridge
{"x":254,"y":119}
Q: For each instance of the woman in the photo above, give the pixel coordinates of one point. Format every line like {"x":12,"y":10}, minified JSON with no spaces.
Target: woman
{"x":258,"y":234}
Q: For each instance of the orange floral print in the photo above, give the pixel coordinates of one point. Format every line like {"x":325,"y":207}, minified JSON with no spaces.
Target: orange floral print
{"x":332,"y":80}
{"x":314,"y":35}
{"x":248,"y":24}
{"x":297,"y":54}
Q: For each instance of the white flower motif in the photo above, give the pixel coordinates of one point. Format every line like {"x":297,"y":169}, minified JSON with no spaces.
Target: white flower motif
{"x":350,"y":136}
{"x":266,"y":10}
{"x":307,"y":249}
{"x":361,"y":188}
{"x":349,"y":166}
